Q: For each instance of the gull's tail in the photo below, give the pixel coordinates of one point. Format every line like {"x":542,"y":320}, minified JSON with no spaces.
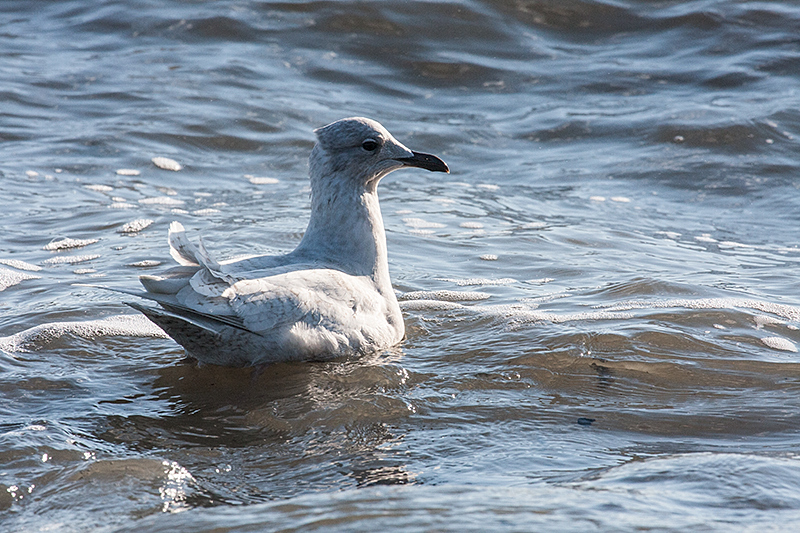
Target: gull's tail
{"x":213,"y":324}
{"x":180,"y":324}
{"x":187,"y":254}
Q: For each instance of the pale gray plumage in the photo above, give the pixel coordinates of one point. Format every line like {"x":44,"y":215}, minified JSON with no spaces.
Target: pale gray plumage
{"x":331,"y":296}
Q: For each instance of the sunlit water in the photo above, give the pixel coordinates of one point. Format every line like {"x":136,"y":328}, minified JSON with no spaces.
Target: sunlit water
{"x":601,"y":300}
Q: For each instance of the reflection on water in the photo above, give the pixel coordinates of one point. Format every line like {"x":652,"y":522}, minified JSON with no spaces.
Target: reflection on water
{"x":600,"y":299}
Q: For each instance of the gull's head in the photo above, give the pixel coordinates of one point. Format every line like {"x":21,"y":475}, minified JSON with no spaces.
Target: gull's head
{"x":362,"y":150}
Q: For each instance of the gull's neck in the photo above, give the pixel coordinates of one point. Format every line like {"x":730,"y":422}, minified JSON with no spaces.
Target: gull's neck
{"x":346,"y":228}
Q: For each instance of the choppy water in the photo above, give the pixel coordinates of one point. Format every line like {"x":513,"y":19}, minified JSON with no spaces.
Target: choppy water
{"x":621,"y":225}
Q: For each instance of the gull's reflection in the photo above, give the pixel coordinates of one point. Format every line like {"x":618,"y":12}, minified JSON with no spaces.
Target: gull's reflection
{"x":287,"y":427}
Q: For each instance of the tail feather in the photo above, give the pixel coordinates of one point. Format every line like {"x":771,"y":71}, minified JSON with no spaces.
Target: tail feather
{"x":200,"y":341}
{"x":173,"y":323}
{"x":186,"y":253}
{"x":178,"y":311}
{"x":180,"y":247}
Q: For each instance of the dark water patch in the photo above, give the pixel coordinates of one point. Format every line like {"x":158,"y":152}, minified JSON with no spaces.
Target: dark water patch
{"x":364,"y":84}
{"x":731,"y":80}
{"x":578,"y":19}
{"x":368,"y":20}
{"x":203,"y":142}
{"x":736,"y":138}
{"x":447,"y":74}
{"x":222,"y":28}
{"x":101,"y":20}
{"x":782,"y":66}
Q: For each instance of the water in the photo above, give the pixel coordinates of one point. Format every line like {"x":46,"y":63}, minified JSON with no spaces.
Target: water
{"x":620,"y":225}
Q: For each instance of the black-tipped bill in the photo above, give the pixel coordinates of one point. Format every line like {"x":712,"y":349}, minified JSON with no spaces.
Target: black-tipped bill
{"x":426,"y":161}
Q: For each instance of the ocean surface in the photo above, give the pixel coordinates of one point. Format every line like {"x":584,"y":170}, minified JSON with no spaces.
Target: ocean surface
{"x":602,"y":300}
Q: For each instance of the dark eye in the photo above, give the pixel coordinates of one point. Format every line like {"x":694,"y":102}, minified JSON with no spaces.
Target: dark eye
{"x":370,"y":145}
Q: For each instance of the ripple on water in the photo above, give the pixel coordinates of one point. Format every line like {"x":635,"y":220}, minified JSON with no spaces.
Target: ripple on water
{"x":656,"y":197}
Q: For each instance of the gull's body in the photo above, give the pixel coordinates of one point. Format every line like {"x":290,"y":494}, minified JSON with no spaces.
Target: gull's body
{"x":331,"y":296}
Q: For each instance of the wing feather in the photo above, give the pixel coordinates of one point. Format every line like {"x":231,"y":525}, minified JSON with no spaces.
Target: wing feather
{"x":315,"y":297}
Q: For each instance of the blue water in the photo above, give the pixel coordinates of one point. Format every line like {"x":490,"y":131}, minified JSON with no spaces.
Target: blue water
{"x":622,"y":214}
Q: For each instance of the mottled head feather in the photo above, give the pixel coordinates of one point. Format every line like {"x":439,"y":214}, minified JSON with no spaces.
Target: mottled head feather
{"x":350,"y":132}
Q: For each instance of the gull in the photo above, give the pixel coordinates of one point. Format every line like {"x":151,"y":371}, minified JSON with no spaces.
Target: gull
{"x":330,"y":297}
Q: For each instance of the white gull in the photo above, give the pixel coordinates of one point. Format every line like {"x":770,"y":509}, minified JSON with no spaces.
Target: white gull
{"x":330,"y":297}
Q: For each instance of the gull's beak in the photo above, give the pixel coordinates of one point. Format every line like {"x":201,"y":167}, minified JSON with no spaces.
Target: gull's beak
{"x":426,"y":161}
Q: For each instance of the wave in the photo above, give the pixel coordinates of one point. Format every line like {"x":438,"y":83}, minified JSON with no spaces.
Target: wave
{"x":36,"y":337}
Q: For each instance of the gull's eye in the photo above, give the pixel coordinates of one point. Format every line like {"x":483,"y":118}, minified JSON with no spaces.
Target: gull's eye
{"x":370,"y":145}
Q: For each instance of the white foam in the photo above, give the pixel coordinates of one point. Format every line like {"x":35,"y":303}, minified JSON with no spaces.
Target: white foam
{"x":448,"y":296}
{"x":123,"y":325}
{"x":99,"y":188}
{"x":128,"y":172}
{"x":534,"y":225}
{"x":9,"y":278}
{"x":779,"y":343}
{"x":255,"y":180}
{"x":66,"y":244}
{"x":514,"y":315}
{"x":488,"y":257}
{"x":20,"y":265}
{"x":69,"y":259}
{"x":445,"y":201}
{"x":145,"y":264}
{"x":705,"y":237}
{"x":480,"y":281}
{"x":161,"y":200}
{"x":166,"y":163}
{"x":765,"y":320}
{"x":135,"y":226}
{"x":429,"y":305}
{"x":418,"y":223}
{"x":786,"y":311}
{"x":471,"y":225}
{"x":547,"y":297}
{"x":732,"y":244}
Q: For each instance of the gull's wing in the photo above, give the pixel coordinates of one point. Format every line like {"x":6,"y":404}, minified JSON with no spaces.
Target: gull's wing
{"x":315,"y":297}
{"x":300,"y":307}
